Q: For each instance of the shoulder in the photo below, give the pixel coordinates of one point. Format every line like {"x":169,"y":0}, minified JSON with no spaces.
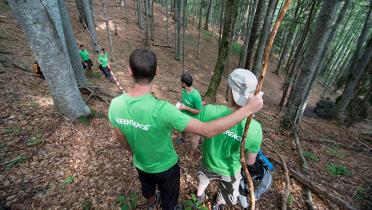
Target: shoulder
{"x":255,"y":125}
{"x":117,"y":102}
{"x":210,"y":112}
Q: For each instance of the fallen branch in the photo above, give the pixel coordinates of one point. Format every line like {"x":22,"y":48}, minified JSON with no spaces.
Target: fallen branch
{"x":352,"y":147}
{"x":318,"y":189}
{"x":287,"y":183}
{"x":305,"y":168}
{"x":158,"y":45}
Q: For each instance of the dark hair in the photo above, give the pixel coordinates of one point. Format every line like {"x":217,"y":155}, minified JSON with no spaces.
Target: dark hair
{"x":81,"y":46}
{"x":103,"y":49}
{"x":143,"y":64}
{"x":187,"y":79}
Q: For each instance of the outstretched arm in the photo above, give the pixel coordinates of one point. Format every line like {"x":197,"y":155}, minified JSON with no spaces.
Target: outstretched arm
{"x":212,"y":128}
{"x":189,"y":109}
{"x":122,"y":140}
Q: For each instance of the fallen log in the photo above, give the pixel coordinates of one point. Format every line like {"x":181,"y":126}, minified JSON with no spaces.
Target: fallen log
{"x":318,"y":189}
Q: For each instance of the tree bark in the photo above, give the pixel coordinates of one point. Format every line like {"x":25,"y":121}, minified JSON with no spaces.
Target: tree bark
{"x":207,"y":15}
{"x":91,"y":26}
{"x":178,"y":29}
{"x":42,"y":24}
{"x":108,"y":31}
{"x":355,"y":66}
{"x":263,"y":39}
{"x":139,"y":14}
{"x":231,"y":8}
{"x":355,"y":76}
{"x":71,"y":45}
{"x":260,"y":11}
{"x":199,"y":27}
{"x":311,"y":60}
{"x":248,"y":31}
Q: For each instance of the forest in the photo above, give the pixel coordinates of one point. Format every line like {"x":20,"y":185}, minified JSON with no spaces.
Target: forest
{"x":63,"y":62}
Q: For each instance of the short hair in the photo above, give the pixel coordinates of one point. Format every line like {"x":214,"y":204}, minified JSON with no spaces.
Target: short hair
{"x":143,"y":64}
{"x":187,"y":79}
{"x":103,"y":49}
{"x":81,"y":46}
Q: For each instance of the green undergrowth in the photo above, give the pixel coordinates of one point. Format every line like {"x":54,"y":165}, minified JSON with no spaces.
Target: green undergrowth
{"x":338,"y":170}
{"x":127,"y":202}
{"x":194,"y":204}
{"x":87,"y":119}
{"x":311,"y":156}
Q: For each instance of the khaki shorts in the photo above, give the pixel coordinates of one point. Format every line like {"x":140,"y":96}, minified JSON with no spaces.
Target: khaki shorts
{"x":228,"y":186}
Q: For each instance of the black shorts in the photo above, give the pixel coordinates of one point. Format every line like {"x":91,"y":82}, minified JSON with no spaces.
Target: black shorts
{"x":168,"y":183}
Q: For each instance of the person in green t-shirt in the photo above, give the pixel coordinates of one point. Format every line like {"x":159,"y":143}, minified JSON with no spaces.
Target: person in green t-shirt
{"x":85,"y":58}
{"x":221,"y":153}
{"x":143,"y":125}
{"x":104,"y":64}
{"x":191,"y":102}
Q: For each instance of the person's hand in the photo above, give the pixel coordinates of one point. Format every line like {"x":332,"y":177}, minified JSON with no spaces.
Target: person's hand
{"x":255,"y":103}
{"x":182,"y":107}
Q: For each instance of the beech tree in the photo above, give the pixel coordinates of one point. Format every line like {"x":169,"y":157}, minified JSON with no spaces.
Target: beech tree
{"x":43,"y":26}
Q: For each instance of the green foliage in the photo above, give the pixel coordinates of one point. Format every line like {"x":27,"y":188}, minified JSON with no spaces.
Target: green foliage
{"x":290,"y":200}
{"x":87,"y":119}
{"x":13,"y":130}
{"x":34,"y":140}
{"x":311,"y":156}
{"x":86,"y":205}
{"x":96,"y":75}
{"x":360,"y":194}
{"x":17,"y":160}
{"x":333,"y":151}
{"x":336,"y":170}
{"x":127,"y":202}
{"x":207,"y":35}
{"x":68,"y":180}
{"x":236,"y":48}
{"x":193,"y":203}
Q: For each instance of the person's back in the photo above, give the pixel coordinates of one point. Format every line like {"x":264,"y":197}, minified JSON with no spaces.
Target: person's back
{"x":147,"y":123}
{"x":221,"y":153}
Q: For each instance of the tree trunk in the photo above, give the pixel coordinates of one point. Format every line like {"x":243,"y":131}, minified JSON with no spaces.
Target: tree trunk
{"x":248,"y":31}
{"x":124,"y":4}
{"x":354,"y":78}
{"x":139,"y":14}
{"x":207,"y":15}
{"x":108,"y":31}
{"x":80,"y":7}
{"x":178,"y":29}
{"x":231,"y":15}
{"x":71,"y":45}
{"x":147,"y":22}
{"x":312,"y":58}
{"x":263,"y":39}
{"x":199,"y":27}
{"x":42,"y":24}
{"x":90,"y":23}
{"x":185,"y":13}
{"x":167,"y":20}
{"x":260,"y":11}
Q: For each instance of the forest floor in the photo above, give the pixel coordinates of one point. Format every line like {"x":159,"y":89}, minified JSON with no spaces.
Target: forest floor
{"x":48,"y":162}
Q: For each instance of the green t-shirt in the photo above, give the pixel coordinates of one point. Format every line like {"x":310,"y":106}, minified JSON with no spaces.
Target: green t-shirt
{"x":221,"y":153}
{"x":103,"y":59}
{"x":84,"y":54}
{"x":192,"y":100}
{"x":147,"y":124}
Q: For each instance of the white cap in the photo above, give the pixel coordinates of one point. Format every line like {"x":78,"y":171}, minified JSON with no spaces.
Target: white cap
{"x":243,"y":84}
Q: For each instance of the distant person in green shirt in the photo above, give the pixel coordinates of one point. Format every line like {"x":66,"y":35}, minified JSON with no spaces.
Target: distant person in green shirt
{"x":104,"y":64}
{"x":221,"y":153}
{"x":143,"y":125}
{"x":191,"y":102}
{"x":85,"y":57}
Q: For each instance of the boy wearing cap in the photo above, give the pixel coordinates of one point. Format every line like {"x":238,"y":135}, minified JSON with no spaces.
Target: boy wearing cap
{"x":221,"y":153}
{"x":143,"y":126}
{"x":191,"y":102}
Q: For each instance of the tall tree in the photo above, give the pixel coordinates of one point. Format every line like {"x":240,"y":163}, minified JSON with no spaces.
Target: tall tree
{"x":139,"y":14}
{"x":231,"y":9}
{"x":297,"y":100}
{"x":42,"y":24}
{"x":265,"y":34}
{"x":178,"y":29}
{"x":90,"y":24}
{"x":71,"y":45}
{"x":199,"y":27}
{"x":356,"y":73}
{"x":260,"y":12}
{"x":108,"y":31}
{"x":208,"y":14}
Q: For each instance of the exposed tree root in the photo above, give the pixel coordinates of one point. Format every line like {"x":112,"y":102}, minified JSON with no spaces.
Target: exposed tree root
{"x":287,"y":182}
